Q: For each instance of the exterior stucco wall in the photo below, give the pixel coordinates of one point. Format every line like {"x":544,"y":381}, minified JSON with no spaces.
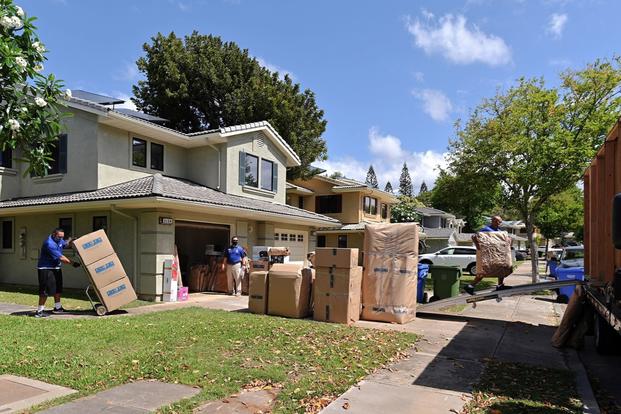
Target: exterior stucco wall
{"x":114,"y":167}
{"x":202,"y":166}
{"x":251,"y":144}
{"x":82,"y":150}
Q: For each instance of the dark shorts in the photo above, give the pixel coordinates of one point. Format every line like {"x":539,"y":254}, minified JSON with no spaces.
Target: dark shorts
{"x":50,"y":282}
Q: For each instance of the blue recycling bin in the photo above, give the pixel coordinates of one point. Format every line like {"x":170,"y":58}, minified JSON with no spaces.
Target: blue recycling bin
{"x":423,"y":272}
{"x":568,"y":273}
{"x":552,"y":265}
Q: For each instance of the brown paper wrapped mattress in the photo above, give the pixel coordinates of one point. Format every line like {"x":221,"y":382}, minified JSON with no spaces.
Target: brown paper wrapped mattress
{"x":494,"y":254}
{"x":278,"y":251}
{"x":390,"y":276}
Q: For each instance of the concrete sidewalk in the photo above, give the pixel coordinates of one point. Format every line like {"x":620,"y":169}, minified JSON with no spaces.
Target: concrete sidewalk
{"x":440,"y":372}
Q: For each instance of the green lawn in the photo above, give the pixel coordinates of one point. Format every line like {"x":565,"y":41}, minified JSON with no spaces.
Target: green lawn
{"x":215,"y":350}
{"x":72,"y":299}
{"x":511,"y":388}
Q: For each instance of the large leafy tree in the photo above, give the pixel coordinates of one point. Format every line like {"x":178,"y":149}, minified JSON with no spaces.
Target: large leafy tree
{"x":200,"y":82}
{"x":535,"y":140}
{"x":30,"y":106}
{"x":467,"y":195}
{"x":371,"y":180}
{"x":405,"y":182}
{"x":562,"y":213}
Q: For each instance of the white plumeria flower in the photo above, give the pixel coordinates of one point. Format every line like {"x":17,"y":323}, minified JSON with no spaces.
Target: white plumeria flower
{"x":24,"y":109}
{"x":19,"y":11}
{"x":14,"y":124}
{"x":38,"y":46}
{"x":68,"y":93}
{"x":6,"y":22}
{"x":16,"y":22}
{"x":40,"y":101}
{"x":38,"y":68}
{"x":21,"y":62}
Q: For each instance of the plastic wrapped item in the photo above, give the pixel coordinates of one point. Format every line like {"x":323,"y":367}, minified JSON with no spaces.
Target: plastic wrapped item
{"x":494,"y":254}
{"x":389,"y":283}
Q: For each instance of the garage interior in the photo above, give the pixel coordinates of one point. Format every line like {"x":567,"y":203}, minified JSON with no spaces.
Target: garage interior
{"x":197,"y":243}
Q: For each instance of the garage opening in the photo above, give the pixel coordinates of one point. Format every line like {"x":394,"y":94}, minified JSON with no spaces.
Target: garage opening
{"x":200,"y":244}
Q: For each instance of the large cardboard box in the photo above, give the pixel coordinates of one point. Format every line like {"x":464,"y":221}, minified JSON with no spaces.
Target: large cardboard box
{"x":106,"y":270}
{"x":289,"y":291}
{"x":336,"y":294}
{"x":118,"y":294}
{"x":389,"y":282}
{"x":336,"y":257}
{"x":93,"y":246}
{"x":257,"y":292}
{"x":494,"y":258}
{"x":259,"y":265}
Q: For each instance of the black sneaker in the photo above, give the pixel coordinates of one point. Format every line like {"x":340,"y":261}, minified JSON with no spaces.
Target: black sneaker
{"x":503,"y":287}
{"x":59,"y":310}
{"x":40,"y":314}
{"x":469,"y":289}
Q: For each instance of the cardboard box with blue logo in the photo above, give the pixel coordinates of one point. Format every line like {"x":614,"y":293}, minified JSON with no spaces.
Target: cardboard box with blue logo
{"x":105,"y":270}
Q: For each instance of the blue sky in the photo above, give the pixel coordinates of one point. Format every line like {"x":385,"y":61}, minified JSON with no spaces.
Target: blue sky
{"x":392,"y":76}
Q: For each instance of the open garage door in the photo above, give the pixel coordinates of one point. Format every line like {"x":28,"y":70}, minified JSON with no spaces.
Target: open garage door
{"x":295,"y":240}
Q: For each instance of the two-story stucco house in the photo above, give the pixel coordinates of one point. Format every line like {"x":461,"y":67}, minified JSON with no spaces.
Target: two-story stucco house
{"x":151,"y":188}
{"x":349,"y":201}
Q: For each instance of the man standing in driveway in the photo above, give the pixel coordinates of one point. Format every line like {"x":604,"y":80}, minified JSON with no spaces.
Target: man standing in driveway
{"x":49,"y":271}
{"x":494,"y":226}
{"x":235,"y":255}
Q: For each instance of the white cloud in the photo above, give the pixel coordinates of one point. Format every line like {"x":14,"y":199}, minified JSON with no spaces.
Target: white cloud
{"x":556,"y":24}
{"x":388,"y":162}
{"x":435,"y":103}
{"x":453,"y":39}
{"x":274,"y":68}
{"x":128,"y":73}
{"x":419,"y":76}
{"x":427,"y":14}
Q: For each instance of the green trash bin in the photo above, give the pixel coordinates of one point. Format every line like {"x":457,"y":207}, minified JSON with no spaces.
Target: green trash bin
{"x":445,"y":281}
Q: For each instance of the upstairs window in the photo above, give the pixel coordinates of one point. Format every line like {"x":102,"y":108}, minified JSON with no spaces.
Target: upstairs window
{"x":6,"y":158}
{"x":251,"y":171}
{"x":267,"y":175}
{"x":157,"y":156}
{"x":370,"y":205}
{"x":58,"y":164}
{"x":100,"y":223}
{"x":66,"y":223}
{"x":301,"y":202}
{"x":139,"y":152}
{"x":332,"y":204}
{"x":384,"y":211}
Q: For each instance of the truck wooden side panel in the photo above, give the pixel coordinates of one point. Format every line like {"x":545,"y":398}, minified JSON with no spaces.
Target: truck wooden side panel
{"x":602,"y":181}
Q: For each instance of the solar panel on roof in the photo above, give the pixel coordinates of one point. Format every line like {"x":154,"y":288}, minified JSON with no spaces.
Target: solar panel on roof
{"x":141,"y":115}
{"x":95,"y":97}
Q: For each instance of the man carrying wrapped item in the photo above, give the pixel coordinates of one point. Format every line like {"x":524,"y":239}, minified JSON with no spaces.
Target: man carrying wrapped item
{"x":493,"y":255}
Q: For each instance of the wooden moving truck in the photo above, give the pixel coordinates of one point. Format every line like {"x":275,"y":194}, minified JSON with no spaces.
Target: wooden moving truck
{"x":602,"y":241}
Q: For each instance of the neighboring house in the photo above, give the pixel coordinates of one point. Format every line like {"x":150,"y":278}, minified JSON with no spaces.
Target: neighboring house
{"x":351,"y":202}
{"x":464,"y":239}
{"x":442,"y":229}
{"x":151,"y":188}
{"x":439,"y":238}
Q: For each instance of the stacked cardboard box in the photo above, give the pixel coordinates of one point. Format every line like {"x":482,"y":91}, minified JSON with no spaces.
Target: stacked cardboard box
{"x":390,"y":274}
{"x":257,"y":292}
{"x":105,"y":270}
{"x":338,"y":281}
{"x":289,"y":287}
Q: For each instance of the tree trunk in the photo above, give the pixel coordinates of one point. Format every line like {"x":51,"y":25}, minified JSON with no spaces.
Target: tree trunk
{"x":534,"y":254}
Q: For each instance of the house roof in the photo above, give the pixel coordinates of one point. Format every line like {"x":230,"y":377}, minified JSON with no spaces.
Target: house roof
{"x":296,"y":189}
{"x":140,"y":123}
{"x":170,"y":188}
{"x":441,"y":233}
{"x":343,"y":185}
{"x":429,"y":212}
{"x":463,"y":237}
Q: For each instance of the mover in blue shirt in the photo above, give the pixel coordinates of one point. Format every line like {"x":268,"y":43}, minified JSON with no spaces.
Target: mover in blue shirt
{"x":235,"y":255}
{"x":494,"y":226}
{"x":49,"y":272}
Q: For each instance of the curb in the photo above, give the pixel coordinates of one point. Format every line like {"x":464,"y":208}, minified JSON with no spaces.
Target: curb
{"x":583,"y":385}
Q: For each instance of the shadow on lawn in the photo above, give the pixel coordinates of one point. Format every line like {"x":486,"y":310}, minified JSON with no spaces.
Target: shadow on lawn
{"x":77,"y":312}
{"x":513,"y":362}
{"x":68,"y":293}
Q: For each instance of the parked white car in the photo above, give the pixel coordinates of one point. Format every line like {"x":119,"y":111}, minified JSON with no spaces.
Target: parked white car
{"x":463,"y":256}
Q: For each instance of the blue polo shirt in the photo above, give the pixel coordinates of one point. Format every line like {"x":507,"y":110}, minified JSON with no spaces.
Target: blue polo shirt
{"x":50,"y":253}
{"x":489,"y":228}
{"x":234,"y":254}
